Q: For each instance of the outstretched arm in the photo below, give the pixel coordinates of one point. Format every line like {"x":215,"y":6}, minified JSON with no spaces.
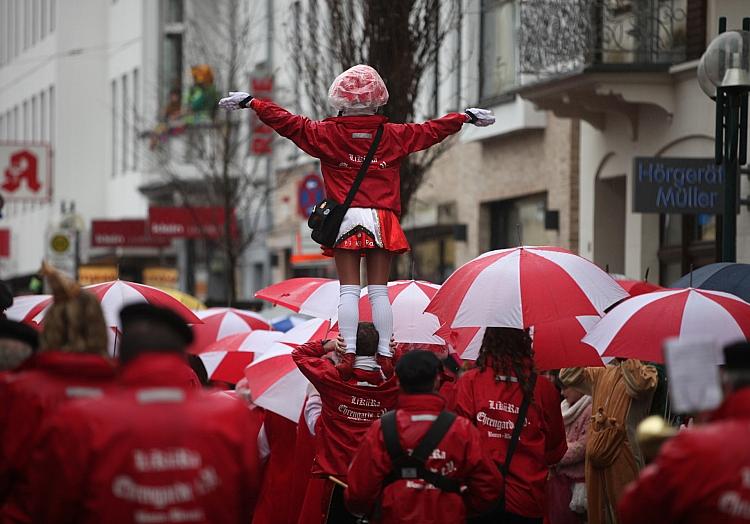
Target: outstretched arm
{"x":299,"y":129}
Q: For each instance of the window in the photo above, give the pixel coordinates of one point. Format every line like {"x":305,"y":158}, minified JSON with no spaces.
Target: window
{"x":2,"y":127}
{"x":3,"y":31}
{"x":34,"y":21}
{"x":11,"y":29}
{"x":125,"y":127}
{"x":175,"y":12}
{"x":43,"y":17}
{"x":52,"y":15}
{"x":16,"y":124}
{"x":686,"y":241}
{"x":172,"y":65}
{"x":34,"y":119}
{"x":519,"y":221}
{"x":136,"y":109}
{"x":25,"y":127}
{"x":51,"y":133}
{"x":26,"y":24}
{"x":114,"y":127}
{"x":43,"y":117}
{"x":497,"y":59}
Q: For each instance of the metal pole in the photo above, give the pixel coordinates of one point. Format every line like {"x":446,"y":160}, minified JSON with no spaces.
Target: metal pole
{"x":729,"y":235}
{"x":269,"y":157}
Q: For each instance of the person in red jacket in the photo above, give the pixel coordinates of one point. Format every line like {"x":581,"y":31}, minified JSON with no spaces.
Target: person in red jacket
{"x":491,"y":395}
{"x":703,"y":473}
{"x":71,"y":364}
{"x":156,"y":449}
{"x":371,"y":225}
{"x":349,"y":407}
{"x":458,"y":456}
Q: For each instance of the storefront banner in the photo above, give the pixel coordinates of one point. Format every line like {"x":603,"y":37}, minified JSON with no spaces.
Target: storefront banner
{"x":124,"y":233}
{"x":194,"y":222}
{"x":4,"y":243}
{"x":161,"y":277}
{"x":678,"y":185}
{"x":89,"y":275}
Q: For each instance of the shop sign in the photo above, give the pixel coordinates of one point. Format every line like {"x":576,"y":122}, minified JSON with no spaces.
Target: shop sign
{"x":4,"y":243}
{"x":89,"y":275}
{"x":678,"y":185}
{"x":124,"y":233}
{"x":61,"y":251}
{"x":25,"y":172}
{"x":309,"y":192}
{"x":161,"y":277}
{"x":183,"y":222}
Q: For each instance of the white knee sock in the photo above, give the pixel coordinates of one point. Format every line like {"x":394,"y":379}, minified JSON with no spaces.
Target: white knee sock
{"x":349,"y":315}
{"x":382,"y":317}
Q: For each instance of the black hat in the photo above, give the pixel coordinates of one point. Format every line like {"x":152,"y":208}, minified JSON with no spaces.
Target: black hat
{"x":19,"y":331}
{"x":6,"y":296}
{"x":737,"y":356}
{"x":161,"y":315}
{"x":417,"y":367}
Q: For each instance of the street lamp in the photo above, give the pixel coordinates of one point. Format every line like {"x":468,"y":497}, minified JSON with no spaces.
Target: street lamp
{"x":724,"y":75}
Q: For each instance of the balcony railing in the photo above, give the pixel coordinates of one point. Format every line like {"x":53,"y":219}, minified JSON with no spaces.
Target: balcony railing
{"x":559,"y":37}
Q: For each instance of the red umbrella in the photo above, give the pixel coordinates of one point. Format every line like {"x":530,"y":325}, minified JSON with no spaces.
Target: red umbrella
{"x":638,"y":327}
{"x":524,"y":286}
{"x":408,"y":299}
{"x":26,"y":308}
{"x":638,"y":287}
{"x":254,"y":341}
{"x":226,"y":359}
{"x":556,"y":344}
{"x":275,"y":382}
{"x":221,"y":322}
{"x":317,"y":297}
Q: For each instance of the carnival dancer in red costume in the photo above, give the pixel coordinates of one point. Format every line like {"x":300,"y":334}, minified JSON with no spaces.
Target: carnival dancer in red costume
{"x":370,"y":227}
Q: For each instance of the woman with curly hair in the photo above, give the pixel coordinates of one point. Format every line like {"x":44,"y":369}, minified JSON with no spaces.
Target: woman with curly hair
{"x":71,"y":363}
{"x":492,"y":396}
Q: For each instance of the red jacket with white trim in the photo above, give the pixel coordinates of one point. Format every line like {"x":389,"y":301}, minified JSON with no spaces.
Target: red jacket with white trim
{"x":700,"y":475}
{"x":493,"y":408}
{"x":29,"y":397}
{"x":349,"y":408}
{"x":153,"y":451}
{"x":341,"y":144}
{"x":459,"y":454}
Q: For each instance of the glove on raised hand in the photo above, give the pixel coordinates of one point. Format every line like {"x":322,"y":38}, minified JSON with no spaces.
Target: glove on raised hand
{"x":234,"y":101}
{"x":480,"y":117}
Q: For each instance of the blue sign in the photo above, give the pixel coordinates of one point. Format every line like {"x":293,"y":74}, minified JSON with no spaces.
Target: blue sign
{"x":309,"y":193}
{"x":678,"y":185}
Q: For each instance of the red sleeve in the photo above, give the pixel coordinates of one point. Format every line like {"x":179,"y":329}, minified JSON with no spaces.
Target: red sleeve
{"x":310,"y":361}
{"x":20,"y":423}
{"x":370,"y":466}
{"x":252,"y":470}
{"x":416,"y":137}
{"x":299,"y":129}
{"x":465,"y":398}
{"x":484,"y":482}
{"x":554,"y":437}
{"x":57,"y":469}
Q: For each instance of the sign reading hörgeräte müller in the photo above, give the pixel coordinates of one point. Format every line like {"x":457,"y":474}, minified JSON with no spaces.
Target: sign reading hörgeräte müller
{"x":678,"y":185}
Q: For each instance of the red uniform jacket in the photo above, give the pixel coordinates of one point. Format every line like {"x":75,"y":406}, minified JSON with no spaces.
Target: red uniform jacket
{"x":153,"y":451}
{"x":274,"y":501}
{"x":459,"y":455}
{"x":341,"y":144}
{"x":27,"y":399}
{"x":493,"y":408}
{"x":701,"y":475}
{"x":349,"y":408}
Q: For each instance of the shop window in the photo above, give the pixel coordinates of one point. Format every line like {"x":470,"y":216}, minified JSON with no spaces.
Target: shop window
{"x":497,"y":60}
{"x":517,"y":221}
{"x":686,"y":241}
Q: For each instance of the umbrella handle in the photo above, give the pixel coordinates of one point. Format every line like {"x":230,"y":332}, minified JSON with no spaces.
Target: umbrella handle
{"x":337,"y":481}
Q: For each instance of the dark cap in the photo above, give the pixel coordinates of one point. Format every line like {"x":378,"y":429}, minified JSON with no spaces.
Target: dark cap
{"x":417,"y":368}
{"x":19,"y":331}
{"x":737,"y":356}
{"x":148,"y":312}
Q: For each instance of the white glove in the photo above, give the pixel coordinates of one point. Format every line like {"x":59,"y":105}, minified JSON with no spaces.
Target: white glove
{"x":480,"y":117}
{"x":232,"y":102}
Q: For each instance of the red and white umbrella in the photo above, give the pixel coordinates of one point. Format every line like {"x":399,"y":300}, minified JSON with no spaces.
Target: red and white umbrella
{"x":275,"y":382}
{"x":254,"y":341}
{"x":556,"y":344}
{"x":638,"y":327}
{"x":221,"y":322}
{"x":408,"y":299}
{"x":637,"y":287}
{"x":26,"y":308}
{"x":115,"y":295}
{"x":316,"y":297}
{"x":524,"y":286}
{"x":226,"y":359}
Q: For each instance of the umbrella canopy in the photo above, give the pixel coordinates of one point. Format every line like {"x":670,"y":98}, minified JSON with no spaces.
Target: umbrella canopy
{"x":408,"y":298}
{"x":226,"y":359}
{"x":275,"y":381}
{"x":115,"y":295}
{"x":556,"y":344}
{"x":724,"y":276}
{"x":524,"y":286}
{"x":26,"y":308}
{"x":638,"y":327}
{"x":221,"y":322}
{"x":316,"y":297}
{"x":287,"y":322}
{"x":638,"y":287}
{"x":253,"y":341}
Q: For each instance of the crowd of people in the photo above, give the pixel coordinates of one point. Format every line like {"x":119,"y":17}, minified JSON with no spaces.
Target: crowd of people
{"x":85,"y":438}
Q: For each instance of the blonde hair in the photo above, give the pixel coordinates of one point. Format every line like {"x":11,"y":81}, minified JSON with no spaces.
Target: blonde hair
{"x":74,"y":322}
